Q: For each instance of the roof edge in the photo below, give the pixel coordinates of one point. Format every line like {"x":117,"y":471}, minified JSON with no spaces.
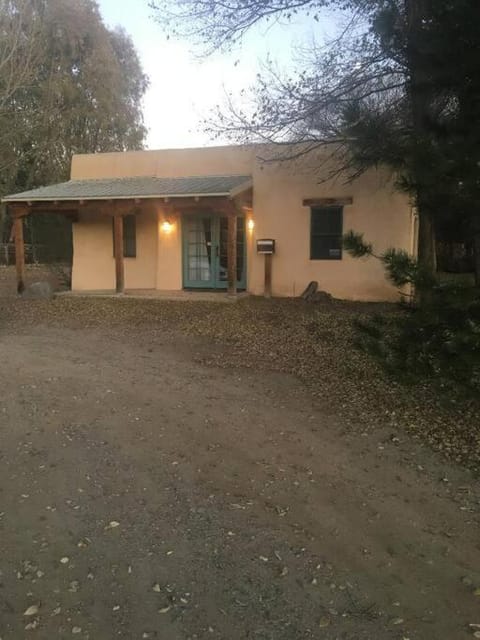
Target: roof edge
{"x":163,"y":196}
{"x":251,"y":146}
{"x":71,"y":190}
{"x":245,"y":186}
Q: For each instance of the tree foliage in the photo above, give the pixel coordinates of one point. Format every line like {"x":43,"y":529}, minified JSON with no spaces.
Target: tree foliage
{"x":402,"y":269}
{"x":81,"y":90}
{"x":438,"y":339}
{"x":68,"y":84}
{"x":20,"y":55}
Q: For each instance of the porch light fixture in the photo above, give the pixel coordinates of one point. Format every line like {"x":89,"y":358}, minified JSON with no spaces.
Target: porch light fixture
{"x":250,"y":224}
{"x":166,"y":226}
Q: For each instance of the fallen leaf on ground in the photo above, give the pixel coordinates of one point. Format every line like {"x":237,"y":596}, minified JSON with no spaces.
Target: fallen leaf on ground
{"x":32,"y":610}
{"x":164,"y":610}
{"x":31,"y":625}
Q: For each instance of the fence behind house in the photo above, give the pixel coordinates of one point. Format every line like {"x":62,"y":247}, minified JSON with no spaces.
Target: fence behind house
{"x":34,"y":254}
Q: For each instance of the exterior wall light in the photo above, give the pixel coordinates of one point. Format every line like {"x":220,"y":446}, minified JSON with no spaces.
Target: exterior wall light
{"x":250,"y":224}
{"x":166,"y":226}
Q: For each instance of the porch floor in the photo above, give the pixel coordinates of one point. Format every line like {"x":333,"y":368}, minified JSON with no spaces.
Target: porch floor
{"x":155,"y":294}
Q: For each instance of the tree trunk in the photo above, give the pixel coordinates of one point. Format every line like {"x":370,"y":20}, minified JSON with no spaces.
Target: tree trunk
{"x":419,"y":94}
{"x":427,"y":253}
{"x":476,"y":257}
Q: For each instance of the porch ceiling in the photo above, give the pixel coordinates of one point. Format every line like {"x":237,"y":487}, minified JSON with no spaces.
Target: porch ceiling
{"x":137,"y":187}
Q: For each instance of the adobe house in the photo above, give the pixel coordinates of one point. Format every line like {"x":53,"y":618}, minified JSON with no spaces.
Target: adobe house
{"x":195,"y":218}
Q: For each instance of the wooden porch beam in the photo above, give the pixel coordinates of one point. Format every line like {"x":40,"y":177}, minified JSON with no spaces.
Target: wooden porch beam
{"x":19,"y":211}
{"x":111,"y":209}
{"x":27,"y":210}
{"x":123,"y":207}
{"x":218,"y":204}
{"x":232,"y":254}
{"x":19,"y":253}
{"x":118,"y":251}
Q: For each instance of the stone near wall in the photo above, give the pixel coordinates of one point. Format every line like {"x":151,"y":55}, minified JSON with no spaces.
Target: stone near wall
{"x":321,"y":296}
{"x":313,"y":294}
{"x":38,"y":290}
{"x":310,"y":291}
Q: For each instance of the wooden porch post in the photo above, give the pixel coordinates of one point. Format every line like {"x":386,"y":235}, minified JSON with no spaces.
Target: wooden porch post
{"x":19,"y":251}
{"x":268,"y":276}
{"x":232,"y":254}
{"x":118,"y":252}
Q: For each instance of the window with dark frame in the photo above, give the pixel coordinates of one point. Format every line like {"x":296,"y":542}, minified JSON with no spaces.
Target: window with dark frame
{"x":129,"y":236}
{"x":326,"y":232}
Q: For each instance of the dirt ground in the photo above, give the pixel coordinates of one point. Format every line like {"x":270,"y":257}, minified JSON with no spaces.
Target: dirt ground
{"x":156,"y":482}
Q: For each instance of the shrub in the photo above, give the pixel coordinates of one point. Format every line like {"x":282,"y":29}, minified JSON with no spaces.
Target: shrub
{"x":438,"y":339}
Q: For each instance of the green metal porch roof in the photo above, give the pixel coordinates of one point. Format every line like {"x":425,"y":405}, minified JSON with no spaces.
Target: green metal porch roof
{"x":137,"y":187}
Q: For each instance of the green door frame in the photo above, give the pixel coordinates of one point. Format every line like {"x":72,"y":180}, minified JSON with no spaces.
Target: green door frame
{"x":213,"y":258}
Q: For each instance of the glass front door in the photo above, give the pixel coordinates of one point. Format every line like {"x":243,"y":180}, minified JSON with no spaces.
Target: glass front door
{"x":205,"y":259}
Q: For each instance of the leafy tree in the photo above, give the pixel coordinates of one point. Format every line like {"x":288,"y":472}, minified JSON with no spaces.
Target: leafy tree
{"x":20,"y":54}
{"x":85,"y":96}
{"x":80,"y":90}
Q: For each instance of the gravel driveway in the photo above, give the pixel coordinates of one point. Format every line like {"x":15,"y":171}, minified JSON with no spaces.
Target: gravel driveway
{"x":152,"y":488}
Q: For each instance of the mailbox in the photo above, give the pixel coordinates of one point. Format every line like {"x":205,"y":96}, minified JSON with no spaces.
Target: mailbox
{"x":266,"y":246}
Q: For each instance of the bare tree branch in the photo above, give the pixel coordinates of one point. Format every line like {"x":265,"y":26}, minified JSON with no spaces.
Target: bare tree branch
{"x":219,"y":24}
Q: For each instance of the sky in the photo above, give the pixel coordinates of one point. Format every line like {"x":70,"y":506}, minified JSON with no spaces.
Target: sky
{"x":184,"y":89}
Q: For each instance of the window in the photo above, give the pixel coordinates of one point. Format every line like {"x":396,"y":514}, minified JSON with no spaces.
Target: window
{"x":326,"y":230}
{"x":129,"y":236}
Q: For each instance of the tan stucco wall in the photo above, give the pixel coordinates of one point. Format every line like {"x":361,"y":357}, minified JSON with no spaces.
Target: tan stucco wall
{"x":379,"y":212}
{"x":166,"y":163}
{"x":169,"y":267}
{"x":93,"y":262}
{"x":382,"y":214}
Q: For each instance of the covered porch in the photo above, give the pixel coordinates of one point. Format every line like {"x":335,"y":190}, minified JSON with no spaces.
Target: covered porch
{"x":117,"y":201}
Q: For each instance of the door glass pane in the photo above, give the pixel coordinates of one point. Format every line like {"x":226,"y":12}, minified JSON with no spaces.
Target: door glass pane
{"x":223,"y":256}
{"x":199,"y":255}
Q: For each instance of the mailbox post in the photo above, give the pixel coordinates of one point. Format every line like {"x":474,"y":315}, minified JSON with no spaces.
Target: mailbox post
{"x":266,"y":247}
